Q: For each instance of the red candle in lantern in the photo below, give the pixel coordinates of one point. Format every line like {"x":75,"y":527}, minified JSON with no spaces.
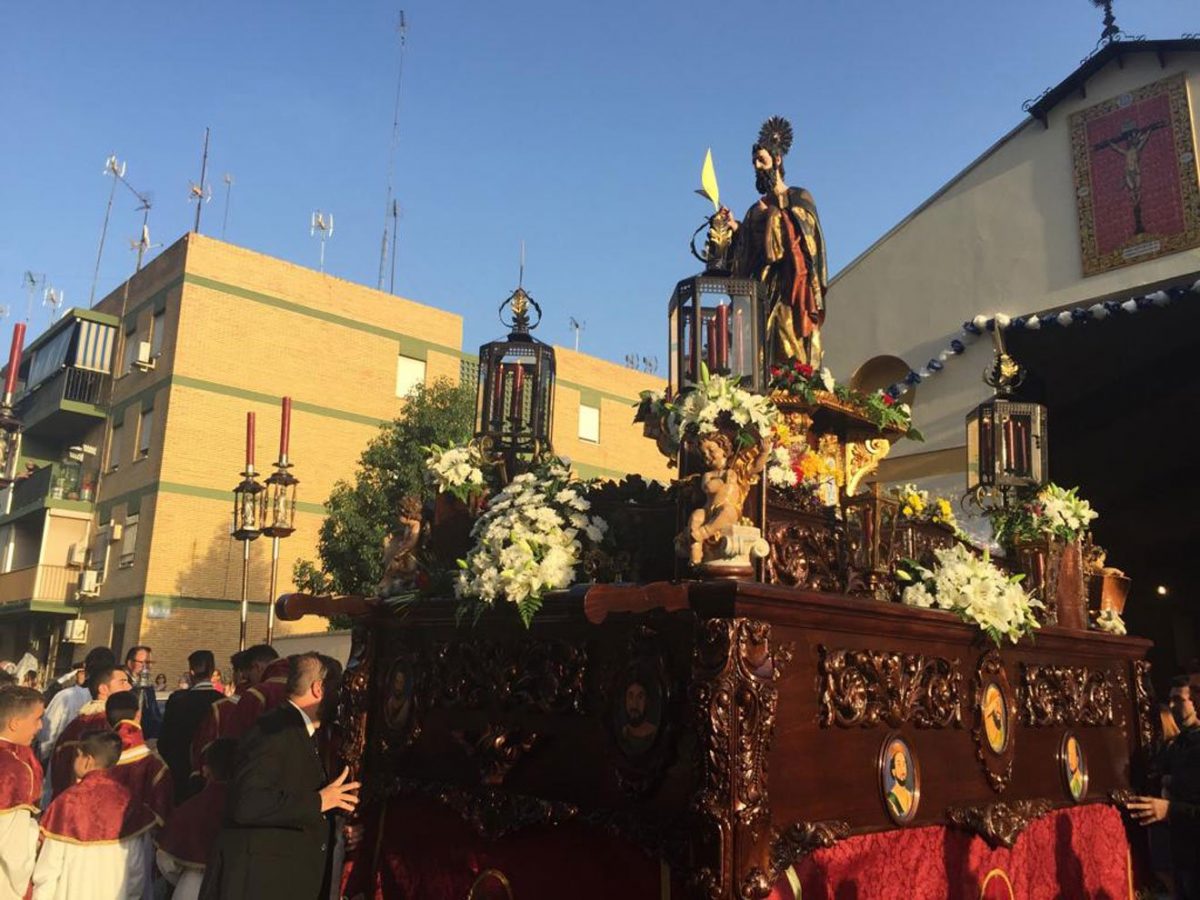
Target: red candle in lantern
{"x":14,"y":360}
{"x":285,"y":429}
{"x":518,"y":384}
{"x":723,"y":337}
{"x":249,"y":441}
{"x":711,"y":335}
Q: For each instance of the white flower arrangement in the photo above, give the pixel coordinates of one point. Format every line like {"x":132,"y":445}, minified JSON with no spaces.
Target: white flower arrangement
{"x":457,"y":471}
{"x":975,"y":590}
{"x":780,"y":472}
{"x":1060,"y":512}
{"x":719,"y":400}
{"x":529,"y":540}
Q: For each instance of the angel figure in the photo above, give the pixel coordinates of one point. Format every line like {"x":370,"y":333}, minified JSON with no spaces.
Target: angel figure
{"x":727,"y":479}
{"x":400,"y":548}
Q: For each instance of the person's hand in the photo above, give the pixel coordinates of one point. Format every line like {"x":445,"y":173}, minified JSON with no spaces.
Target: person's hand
{"x":1148,"y":810}
{"x":339,"y":793}
{"x":353,"y":834}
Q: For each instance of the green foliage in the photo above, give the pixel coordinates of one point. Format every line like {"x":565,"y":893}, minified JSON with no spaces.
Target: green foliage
{"x":362,"y":510}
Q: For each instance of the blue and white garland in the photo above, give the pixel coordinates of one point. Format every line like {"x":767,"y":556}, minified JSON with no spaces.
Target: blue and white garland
{"x":973,"y":329}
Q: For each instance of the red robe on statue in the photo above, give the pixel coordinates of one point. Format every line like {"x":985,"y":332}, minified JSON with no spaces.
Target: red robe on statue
{"x":144,"y":772}
{"x":20,"y":793}
{"x":62,"y":761}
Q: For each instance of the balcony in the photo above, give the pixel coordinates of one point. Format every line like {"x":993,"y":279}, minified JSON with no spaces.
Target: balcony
{"x":64,"y":406}
{"x":38,"y":588}
{"x":57,"y":486}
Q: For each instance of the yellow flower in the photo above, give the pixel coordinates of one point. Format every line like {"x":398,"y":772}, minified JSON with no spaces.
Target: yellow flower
{"x":908,"y":510}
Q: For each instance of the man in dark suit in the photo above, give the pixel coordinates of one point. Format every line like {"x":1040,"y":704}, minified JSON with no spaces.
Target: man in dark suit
{"x":184,"y":711}
{"x":276,"y":838}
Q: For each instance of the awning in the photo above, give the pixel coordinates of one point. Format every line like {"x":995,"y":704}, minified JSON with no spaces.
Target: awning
{"x":93,"y":350}
{"x":49,"y":358}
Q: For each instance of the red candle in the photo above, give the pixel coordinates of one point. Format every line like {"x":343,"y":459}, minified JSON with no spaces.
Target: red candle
{"x":14,"y":360}
{"x":711,"y":334}
{"x":722,"y":336}
{"x":498,"y":392}
{"x":1010,"y":442}
{"x":249,"y":441}
{"x":518,"y":387}
{"x":285,"y":429}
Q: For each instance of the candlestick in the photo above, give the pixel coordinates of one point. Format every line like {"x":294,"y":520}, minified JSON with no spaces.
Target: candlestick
{"x":285,"y":430}
{"x":14,"y":361}
{"x":249,"y":442}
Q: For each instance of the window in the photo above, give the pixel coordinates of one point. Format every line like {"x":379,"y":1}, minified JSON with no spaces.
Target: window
{"x":158,"y":327}
{"x":589,"y":423}
{"x":131,"y":346}
{"x":145,"y":427}
{"x":114,"y":446}
{"x":129,"y":540}
{"x":409,"y":373}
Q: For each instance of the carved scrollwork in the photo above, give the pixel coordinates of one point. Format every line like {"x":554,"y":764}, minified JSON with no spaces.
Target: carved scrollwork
{"x":491,"y":812}
{"x":496,"y":749}
{"x":1143,"y":704}
{"x":801,"y":838}
{"x":867,"y":688}
{"x":734,"y":698}
{"x":805,"y":550}
{"x":1069,"y":696}
{"x":539,"y":674}
{"x":354,"y":701}
{"x":1000,"y":824}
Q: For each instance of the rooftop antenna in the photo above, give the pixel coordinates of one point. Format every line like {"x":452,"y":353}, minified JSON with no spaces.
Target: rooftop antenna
{"x":142,"y":244}
{"x":115,"y":168}
{"x":578,"y":327}
{"x":32,"y":282}
{"x":323,"y":223}
{"x":201,"y":193}
{"x":53,"y":299}
{"x":390,"y":208}
{"x":228,"y":179}
{"x":521,"y":272}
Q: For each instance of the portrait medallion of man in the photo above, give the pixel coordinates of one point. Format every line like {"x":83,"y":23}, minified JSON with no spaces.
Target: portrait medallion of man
{"x":637,"y":714}
{"x":1074,"y":767}
{"x":995,"y":718}
{"x":900,"y":780}
{"x":397,"y":693}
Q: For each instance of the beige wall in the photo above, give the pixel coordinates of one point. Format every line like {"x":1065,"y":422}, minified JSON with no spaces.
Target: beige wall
{"x":1002,"y":237}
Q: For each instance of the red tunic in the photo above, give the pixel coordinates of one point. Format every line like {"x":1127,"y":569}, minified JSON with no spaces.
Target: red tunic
{"x":220,"y":721}
{"x":20,"y":778}
{"x":192,"y":829}
{"x":98,"y":808}
{"x":62,"y":761}
{"x":263,"y":697}
{"x":144,"y":772}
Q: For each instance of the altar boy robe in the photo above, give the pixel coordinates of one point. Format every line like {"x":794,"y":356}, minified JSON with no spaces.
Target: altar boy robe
{"x":184,"y":845}
{"x":92,"y":847}
{"x":149,"y":780}
{"x":62,"y":761}
{"x":20,"y":794}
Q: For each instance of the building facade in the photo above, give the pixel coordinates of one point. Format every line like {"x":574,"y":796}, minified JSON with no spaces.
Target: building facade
{"x":133,"y":418}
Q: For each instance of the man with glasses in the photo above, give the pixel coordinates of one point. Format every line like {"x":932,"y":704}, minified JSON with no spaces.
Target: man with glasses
{"x":138,"y":662}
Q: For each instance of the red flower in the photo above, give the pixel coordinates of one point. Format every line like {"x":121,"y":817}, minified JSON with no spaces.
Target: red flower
{"x":775,"y":370}
{"x":806,"y":370}
{"x":797,"y":365}
{"x":888,"y":399}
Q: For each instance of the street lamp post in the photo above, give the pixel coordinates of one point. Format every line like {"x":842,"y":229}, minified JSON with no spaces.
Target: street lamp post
{"x":279,"y":507}
{"x":247,"y":520}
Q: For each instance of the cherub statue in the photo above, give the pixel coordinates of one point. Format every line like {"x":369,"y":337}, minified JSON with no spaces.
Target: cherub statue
{"x":400,"y":548}
{"x":725,"y":483}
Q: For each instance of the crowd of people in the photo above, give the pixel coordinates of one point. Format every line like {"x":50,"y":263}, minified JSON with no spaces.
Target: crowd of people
{"x":106,"y":795}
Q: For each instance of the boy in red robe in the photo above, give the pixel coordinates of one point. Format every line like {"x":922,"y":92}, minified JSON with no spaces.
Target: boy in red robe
{"x":262,"y":686}
{"x":92,"y":847}
{"x":20,"y":788}
{"x":102,"y":681}
{"x":184,"y":845}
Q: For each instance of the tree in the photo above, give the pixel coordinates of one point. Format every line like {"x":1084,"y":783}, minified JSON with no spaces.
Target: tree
{"x":360,"y":512}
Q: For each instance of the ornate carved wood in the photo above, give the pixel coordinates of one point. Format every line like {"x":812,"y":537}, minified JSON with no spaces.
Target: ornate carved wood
{"x":805,"y":549}
{"x":1070,"y":696}
{"x":1143,"y":705}
{"x":1000,"y":823}
{"x":997,"y":764}
{"x":867,"y":688}
{"x":796,"y":841}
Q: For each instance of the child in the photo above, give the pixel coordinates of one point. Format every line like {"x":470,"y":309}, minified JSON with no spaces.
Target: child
{"x":141,"y":770}
{"x":91,"y":830}
{"x":20,"y":788}
{"x":184,"y":845}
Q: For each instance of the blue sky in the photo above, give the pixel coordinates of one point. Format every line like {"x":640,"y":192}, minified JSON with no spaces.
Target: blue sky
{"x":578,"y":128}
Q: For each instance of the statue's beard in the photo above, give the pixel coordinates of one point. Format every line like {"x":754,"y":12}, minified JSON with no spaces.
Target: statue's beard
{"x":764,"y":180}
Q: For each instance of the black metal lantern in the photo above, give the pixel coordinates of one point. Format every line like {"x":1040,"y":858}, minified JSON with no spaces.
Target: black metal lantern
{"x":1006,"y":438}
{"x":278,"y":516}
{"x":871,"y":519}
{"x":717,"y":322}
{"x":515,"y":405}
{"x":247,"y":509}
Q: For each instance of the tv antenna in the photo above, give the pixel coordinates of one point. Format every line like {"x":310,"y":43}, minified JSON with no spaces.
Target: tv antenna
{"x":647,"y":364}
{"x":4,"y":310}
{"x":228,"y":179}
{"x":200,"y":192}
{"x":52,"y":299}
{"x":32,"y":282}
{"x":115,"y":168}
{"x":322,"y":223}
{"x":142,"y":244}
{"x":578,"y":327}
{"x":391,"y":208}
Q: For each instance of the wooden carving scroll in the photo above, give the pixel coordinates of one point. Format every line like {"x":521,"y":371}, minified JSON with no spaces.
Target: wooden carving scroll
{"x":350,"y":724}
{"x":1143,"y":695}
{"x":867,"y":688}
{"x":733,"y":700}
{"x":1070,"y":696}
{"x":798,"y":840}
{"x":1000,"y":824}
{"x":492,"y":813}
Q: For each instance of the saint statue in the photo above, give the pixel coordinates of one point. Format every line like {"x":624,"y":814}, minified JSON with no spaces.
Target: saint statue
{"x":779,"y":242}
